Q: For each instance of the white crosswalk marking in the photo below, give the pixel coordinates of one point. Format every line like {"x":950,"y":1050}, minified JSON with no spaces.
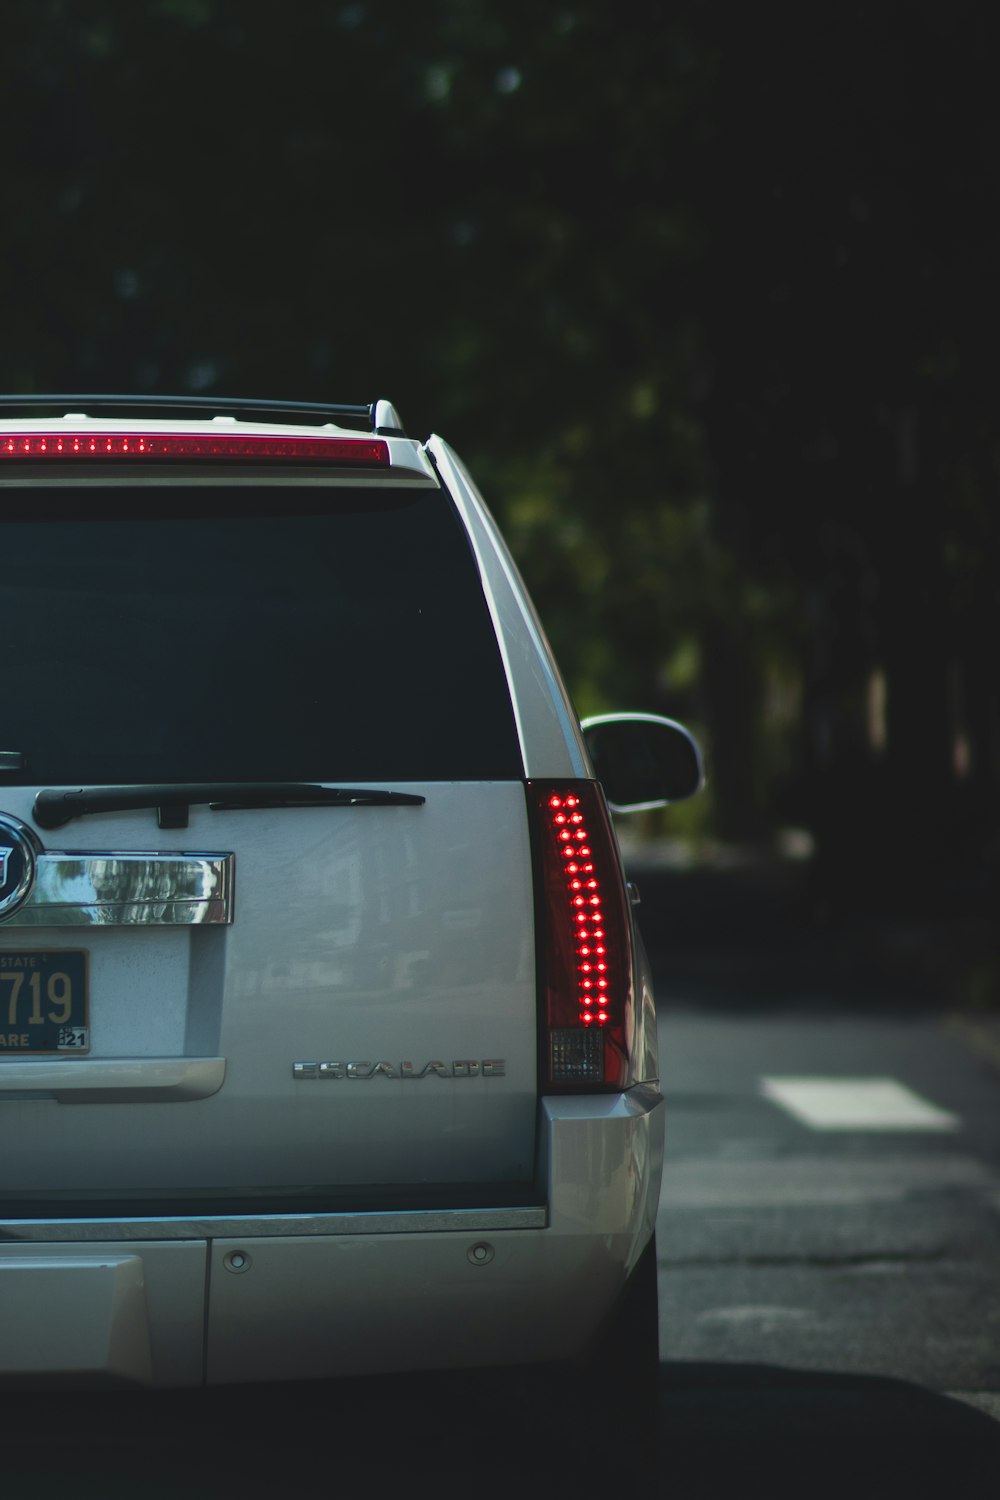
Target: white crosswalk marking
{"x":791,"y":1182}
{"x":856,"y":1104}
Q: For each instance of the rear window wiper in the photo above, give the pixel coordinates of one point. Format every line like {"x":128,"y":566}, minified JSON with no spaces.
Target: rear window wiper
{"x":55,"y":808}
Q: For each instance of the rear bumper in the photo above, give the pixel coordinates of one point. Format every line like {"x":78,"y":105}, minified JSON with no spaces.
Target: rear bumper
{"x":180,"y":1302}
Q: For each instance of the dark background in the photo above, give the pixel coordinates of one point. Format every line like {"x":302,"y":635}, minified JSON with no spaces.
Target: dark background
{"x":706,"y":295}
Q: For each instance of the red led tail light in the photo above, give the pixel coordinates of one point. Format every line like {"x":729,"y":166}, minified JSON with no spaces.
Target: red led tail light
{"x":586,"y":938}
{"x":159,"y":447}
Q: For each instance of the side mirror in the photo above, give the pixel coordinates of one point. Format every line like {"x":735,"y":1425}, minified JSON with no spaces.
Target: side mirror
{"x":642,"y":760}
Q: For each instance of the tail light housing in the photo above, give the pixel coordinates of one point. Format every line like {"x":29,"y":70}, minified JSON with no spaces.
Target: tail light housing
{"x":585,"y":939}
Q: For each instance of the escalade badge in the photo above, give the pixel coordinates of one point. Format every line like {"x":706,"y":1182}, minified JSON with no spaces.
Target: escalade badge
{"x":461,"y":1067}
{"x":18,"y":848}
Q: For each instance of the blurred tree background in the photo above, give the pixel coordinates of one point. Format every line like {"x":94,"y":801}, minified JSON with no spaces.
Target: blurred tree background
{"x":706,"y":295}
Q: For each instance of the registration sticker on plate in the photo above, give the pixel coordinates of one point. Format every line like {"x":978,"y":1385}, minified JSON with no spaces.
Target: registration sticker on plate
{"x":43,"y":1001}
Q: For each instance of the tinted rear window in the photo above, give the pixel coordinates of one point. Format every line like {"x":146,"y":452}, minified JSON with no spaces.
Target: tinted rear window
{"x":285,"y":633}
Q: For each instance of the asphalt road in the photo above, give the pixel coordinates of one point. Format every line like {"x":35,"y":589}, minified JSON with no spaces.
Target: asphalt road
{"x":829,"y":1233}
{"x":866,"y":1242}
{"x":829,"y":1250}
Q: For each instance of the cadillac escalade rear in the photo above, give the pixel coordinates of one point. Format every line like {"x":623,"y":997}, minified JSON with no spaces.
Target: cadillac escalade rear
{"x":325,"y":1044}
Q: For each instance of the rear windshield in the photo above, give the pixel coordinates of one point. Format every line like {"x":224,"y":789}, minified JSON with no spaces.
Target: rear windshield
{"x":163,"y":634}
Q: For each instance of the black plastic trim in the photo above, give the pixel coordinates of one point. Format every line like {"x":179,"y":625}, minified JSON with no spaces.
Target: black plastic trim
{"x":222,"y":406}
{"x":265,"y":1201}
{"x":54,"y":808}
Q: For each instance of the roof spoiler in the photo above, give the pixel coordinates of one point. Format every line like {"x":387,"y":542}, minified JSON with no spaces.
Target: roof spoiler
{"x":379,"y":417}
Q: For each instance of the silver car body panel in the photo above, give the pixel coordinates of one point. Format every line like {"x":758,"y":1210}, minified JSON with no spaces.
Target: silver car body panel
{"x":363,"y":933}
{"x":466,"y":1288}
{"x":548,"y":729}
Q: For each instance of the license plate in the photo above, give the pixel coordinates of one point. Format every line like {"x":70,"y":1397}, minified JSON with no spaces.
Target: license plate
{"x":43,"y":1001}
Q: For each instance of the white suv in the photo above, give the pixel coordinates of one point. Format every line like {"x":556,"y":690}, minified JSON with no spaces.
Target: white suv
{"x":327,"y":1044}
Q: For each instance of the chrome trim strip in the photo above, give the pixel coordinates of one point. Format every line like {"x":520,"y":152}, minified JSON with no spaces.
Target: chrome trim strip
{"x":219,"y":1226}
{"x":128,"y":890}
{"x":113,"y":1080}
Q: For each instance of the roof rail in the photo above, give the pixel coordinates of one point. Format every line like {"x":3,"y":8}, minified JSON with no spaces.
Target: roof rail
{"x":378,"y":416}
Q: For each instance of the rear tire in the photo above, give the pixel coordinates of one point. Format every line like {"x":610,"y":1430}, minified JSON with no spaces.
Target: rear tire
{"x":624,"y":1365}
{"x":630,"y":1340}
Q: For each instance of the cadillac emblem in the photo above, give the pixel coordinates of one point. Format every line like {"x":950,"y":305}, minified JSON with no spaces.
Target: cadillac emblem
{"x":18,"y":849}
